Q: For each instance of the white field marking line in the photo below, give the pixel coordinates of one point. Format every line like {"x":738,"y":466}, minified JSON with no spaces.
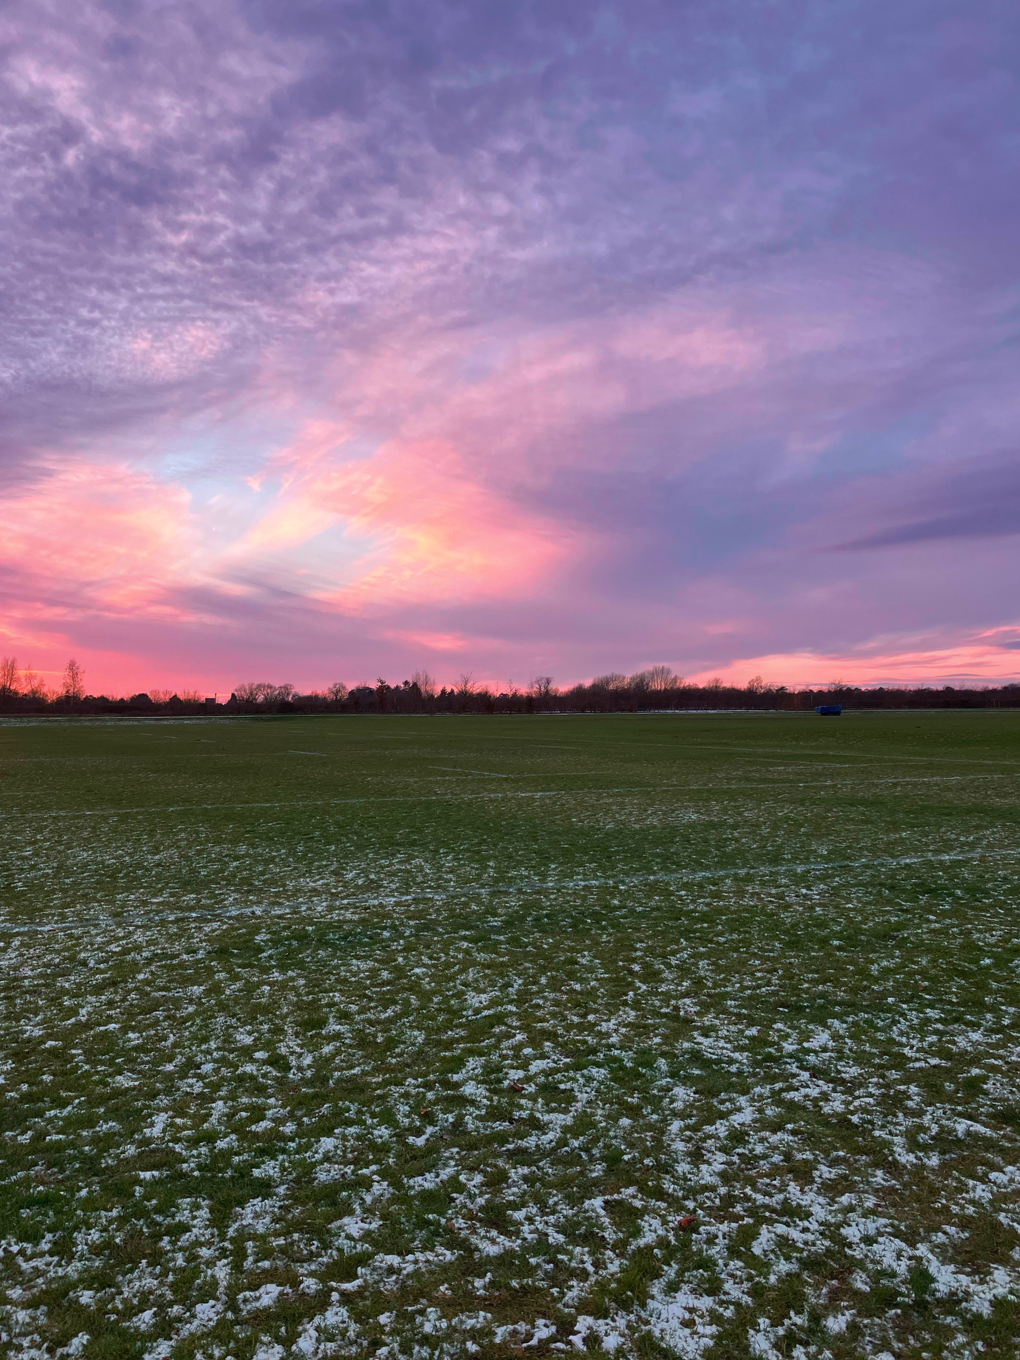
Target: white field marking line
{"x":527,"y":887}
{"x":516,"y":774}
{"x":547,"y":745}
{"x":548,"y":773}
{"x":681,"y":746}
{"x":893,"y":779}
{"x":887,"y":862}
{"x":517,"y":793}
{"x":457,"y":769}
{"x":382,"y":798}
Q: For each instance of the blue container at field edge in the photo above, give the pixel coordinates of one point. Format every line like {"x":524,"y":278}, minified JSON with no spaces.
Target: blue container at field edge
{"x":829,"y":710}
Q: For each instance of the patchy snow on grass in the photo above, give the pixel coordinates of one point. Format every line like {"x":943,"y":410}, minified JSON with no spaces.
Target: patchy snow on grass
{"x":654,"y":1065}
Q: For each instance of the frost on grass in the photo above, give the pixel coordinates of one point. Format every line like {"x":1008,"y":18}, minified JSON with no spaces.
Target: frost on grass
{"x":391,"y":1112}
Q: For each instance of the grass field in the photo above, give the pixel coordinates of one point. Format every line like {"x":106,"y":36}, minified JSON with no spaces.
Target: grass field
{"x":418,"y":1037}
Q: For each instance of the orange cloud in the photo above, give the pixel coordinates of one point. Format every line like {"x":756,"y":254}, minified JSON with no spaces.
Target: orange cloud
{"x":444,"y":534}
{"x":432,"y":512}
{"x":105,"y":531}
{"x":424,"y":526}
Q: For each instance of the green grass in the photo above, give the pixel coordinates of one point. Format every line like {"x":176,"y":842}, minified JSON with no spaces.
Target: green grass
{"x":270,"y":987}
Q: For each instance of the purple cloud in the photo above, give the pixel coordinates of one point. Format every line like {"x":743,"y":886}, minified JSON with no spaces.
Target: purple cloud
{"x":517,"y":337}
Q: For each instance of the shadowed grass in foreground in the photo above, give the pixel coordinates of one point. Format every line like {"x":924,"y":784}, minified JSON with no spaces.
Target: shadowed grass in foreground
{"x":419,"y":1037}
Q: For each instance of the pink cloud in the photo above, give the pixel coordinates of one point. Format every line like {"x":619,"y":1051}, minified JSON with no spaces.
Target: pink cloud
{"x":425,"y":526}
{"x":503,"y":398}
{"x":444,"y":534}
{"x":433,"y":642}
{"x":93,"y":541}
{"x":115,"y":537}
{"x":426,"y":495}
{"x":979,"y":659}
{"x":435,"y":511}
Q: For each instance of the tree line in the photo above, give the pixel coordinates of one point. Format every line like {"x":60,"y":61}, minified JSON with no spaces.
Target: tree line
{"x":658,"y":688}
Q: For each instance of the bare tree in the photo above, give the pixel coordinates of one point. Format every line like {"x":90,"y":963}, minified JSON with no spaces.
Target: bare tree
{"x":74,"y":682}
{"x":426,"y":684}
{"x":756,"y":685}
{"x":466,"y":684}
{"x":161,"y":696}
{"x":656,"y":678}
{"x":8,"y":677}
{"x":32,"y":686}
{"x":263,"y":692}
{"x":338,"y":691}
{"x":542,"y":686}
{"x":663,"y":677}
{"x":611,"y":680}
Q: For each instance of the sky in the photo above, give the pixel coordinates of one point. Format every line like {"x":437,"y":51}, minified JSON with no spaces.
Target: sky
{"x":340,"y":340}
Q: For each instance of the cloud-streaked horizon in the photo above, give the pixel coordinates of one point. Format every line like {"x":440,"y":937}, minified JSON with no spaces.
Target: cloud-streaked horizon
{"x":344,"y":339}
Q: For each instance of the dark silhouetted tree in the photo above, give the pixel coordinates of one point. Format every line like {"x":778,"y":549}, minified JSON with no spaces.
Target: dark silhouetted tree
{"x":73,"y":687}
{"x":426,"y":684}
{"x":8,"y":678}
